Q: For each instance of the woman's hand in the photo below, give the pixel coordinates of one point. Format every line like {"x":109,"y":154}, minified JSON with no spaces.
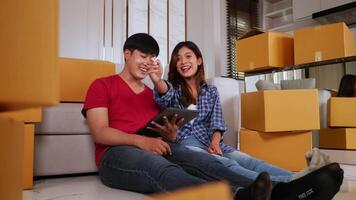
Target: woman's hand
{"x":169,"y":130}
{"x":215,"y":149}
{"x":155,"y":70}
{"x":214,"y":146}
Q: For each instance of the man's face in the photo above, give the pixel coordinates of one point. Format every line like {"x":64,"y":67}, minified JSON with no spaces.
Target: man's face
{"x":137,"y":63}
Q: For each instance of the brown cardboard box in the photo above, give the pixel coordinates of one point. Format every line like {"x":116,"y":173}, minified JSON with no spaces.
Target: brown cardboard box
{"x":284,"y":149}
{"x":29,"y":115}
{"x":207,"y":191}
{"x":29,"y":53}
{"x":11,"y":153}
{"x":342,"y":112}
{"x":323,"y":43}
{"x":26,"y":117}
{"x":29,"y":140}
{"x":337,"y":138}
{"x":280,"y":110}
{"x":28,"y":78}
{"x":76,"y":75}
{"x":263,"y":51}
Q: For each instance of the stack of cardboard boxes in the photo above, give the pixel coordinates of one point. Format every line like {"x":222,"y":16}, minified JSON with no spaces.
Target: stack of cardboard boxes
{"x":27,"y":118}
{"x":341,"y":134}
{"x":277,"y":124}
{"x":28,"y":80}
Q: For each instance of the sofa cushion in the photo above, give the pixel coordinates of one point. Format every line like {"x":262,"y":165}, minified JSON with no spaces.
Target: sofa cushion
{"x":63,"y":154}
{"x":65,"y":118}
{"x":229,"y":91}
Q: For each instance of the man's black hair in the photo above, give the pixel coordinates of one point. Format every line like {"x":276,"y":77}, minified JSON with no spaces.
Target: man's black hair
{"x":142,"y":42}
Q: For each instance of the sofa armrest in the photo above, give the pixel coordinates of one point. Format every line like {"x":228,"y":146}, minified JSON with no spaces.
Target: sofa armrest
{"x":229,"y":91}
{"x":324,"y":96}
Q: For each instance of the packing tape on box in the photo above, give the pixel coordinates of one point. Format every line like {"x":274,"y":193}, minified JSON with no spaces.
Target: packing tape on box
{"x":317,"y":27}
{"x":252,"y":65}
{"x":318,"y":56}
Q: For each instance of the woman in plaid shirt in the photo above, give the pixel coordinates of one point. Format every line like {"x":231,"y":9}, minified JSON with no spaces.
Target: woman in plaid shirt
{"x":186,"y":88}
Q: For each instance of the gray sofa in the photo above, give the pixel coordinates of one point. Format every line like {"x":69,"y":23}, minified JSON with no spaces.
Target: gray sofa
{"x":63,"y":144}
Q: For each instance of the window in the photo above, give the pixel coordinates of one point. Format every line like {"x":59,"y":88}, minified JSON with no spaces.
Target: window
{"x":242,"y":16}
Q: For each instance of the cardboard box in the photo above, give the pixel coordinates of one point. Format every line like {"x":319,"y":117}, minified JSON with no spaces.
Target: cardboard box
{"x":323,"y":43}
{"x":29,"y":139}
{"x":11,"y":153}
{"x":342,"y":112}
{"x":283,"y":149}
{"x":30,"y":115}
{"x":76,"y":75}
{"x":209,"y":191}
{"x":24,"y":119}
{"x":263,"y":51}
{"x":280,"y":110}
{"x":29,"y":40}
{"x":337,"y":138}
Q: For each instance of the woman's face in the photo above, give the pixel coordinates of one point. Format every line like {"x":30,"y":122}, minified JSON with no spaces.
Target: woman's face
{"x":187,"y":63}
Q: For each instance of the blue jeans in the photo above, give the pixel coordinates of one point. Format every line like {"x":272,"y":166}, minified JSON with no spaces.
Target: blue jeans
{"x":242,"y":163}
{"x":131,"y":168}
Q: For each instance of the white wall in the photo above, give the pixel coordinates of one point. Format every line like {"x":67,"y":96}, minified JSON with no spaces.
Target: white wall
{"x":78,"y":33}
{"x":206,"y":26}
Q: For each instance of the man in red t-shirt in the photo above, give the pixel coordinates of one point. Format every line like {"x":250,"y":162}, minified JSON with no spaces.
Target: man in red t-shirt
{"x":117,"y":106}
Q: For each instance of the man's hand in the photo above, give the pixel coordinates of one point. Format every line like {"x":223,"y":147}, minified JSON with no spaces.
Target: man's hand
{"x":169,"y":130}
{"x":155,"y":70}
{"x":154,"y":145}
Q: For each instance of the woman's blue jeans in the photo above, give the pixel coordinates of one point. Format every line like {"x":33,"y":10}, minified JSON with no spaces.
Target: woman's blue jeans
{"x":242,"y":163}
{"x":131,"y":168}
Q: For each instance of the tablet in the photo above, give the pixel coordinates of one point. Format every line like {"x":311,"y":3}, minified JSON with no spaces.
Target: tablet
{"x":188,"y":115}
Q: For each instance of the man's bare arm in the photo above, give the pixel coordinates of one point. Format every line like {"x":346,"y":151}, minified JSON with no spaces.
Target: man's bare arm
{"x":99,"y":127}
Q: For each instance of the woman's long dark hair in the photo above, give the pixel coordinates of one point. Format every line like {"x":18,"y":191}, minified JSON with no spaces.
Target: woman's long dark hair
{"x":177,"y":80}
{"x":347,"y":86}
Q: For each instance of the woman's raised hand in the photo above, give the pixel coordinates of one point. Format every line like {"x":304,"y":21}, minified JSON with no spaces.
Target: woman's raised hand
{"x":155,"y":70}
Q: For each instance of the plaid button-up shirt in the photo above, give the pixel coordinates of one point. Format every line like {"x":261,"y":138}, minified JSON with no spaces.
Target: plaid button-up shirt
{"x":210,"y":117}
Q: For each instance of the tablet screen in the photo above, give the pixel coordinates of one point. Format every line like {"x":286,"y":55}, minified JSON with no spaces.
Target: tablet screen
{"x":188,"y":115}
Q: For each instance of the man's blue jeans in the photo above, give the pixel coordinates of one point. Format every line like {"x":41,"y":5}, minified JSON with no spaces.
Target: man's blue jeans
{"x":242,"y":163}
{"x":131,"y":168}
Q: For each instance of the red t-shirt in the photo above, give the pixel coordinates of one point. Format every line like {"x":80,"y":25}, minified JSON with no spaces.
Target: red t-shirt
{"x":127,"y":111}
